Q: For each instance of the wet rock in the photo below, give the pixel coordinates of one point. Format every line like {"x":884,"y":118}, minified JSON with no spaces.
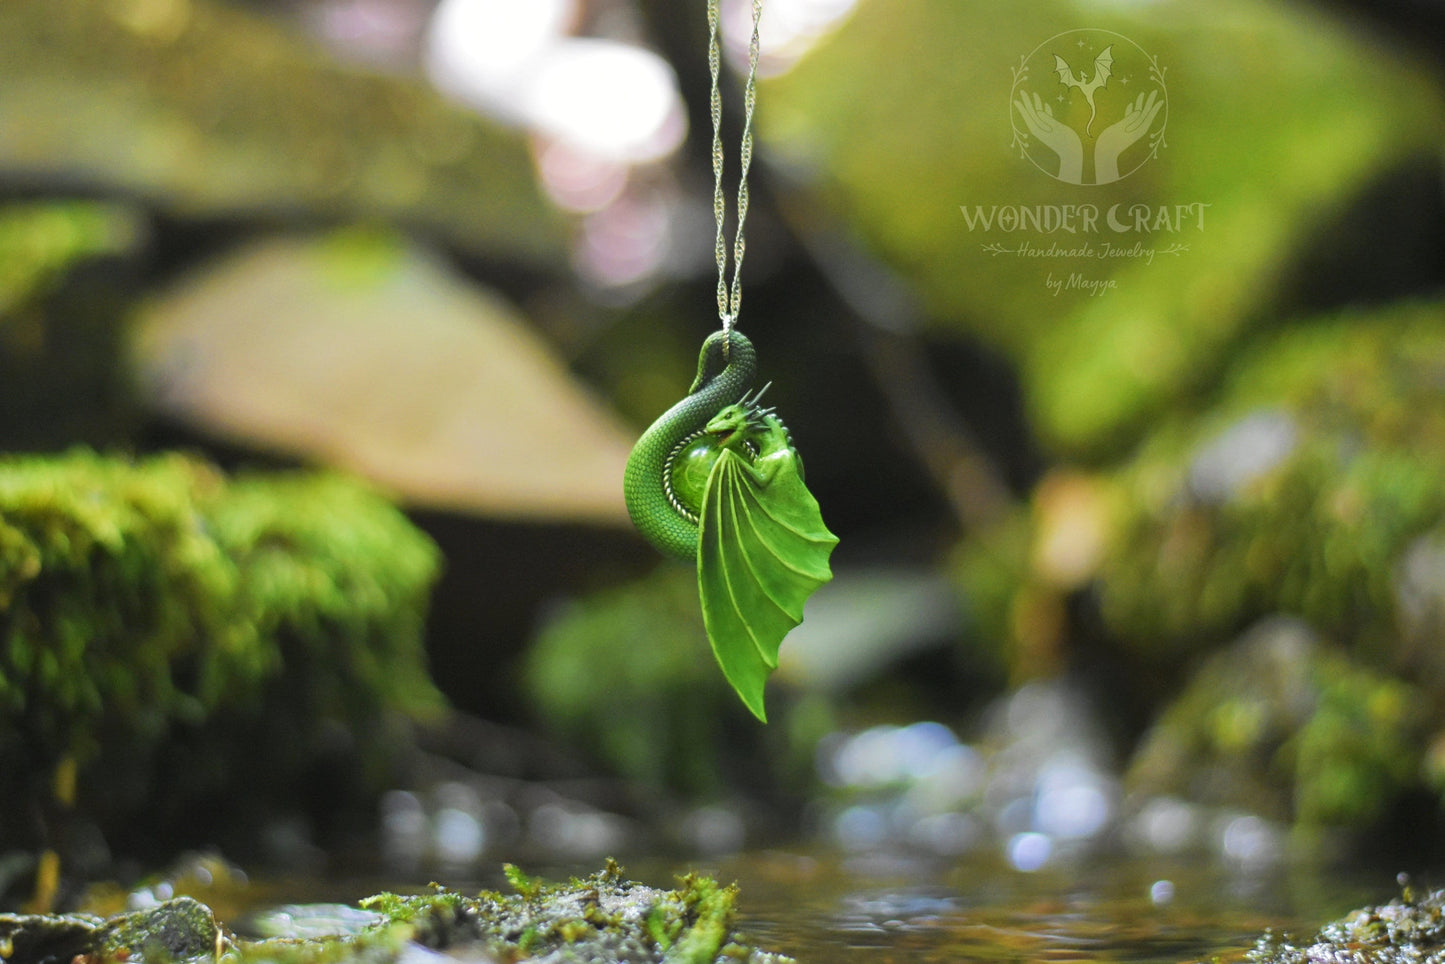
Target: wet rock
{"x":68,"y":269}
{"x":36,"y":939}
{"x":208,"y":110}
{"x":1407,"y":930}
{"x":601,"y":918}
{"x":160,"y":603}
{"x":1283,"y":725}
{"x":1304,"y":489}
{"x":175,"y":931}
{"x":1253,"y":89}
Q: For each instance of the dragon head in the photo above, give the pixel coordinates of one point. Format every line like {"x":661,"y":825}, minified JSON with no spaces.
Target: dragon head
{"x":740,"y":421}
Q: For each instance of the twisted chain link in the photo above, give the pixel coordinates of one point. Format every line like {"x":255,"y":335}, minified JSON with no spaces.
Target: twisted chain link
{"x":730,"y":299}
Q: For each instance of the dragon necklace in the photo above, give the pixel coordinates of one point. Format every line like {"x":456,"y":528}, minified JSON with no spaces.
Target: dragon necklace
{"x":716,"y":479}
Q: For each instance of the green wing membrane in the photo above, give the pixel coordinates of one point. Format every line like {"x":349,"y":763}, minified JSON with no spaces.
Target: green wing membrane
{"x":762,"y":551}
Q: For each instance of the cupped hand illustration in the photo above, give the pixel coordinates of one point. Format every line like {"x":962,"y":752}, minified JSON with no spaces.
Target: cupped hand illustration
{"x":1055,"y":135}
{"x":1122,"y":134}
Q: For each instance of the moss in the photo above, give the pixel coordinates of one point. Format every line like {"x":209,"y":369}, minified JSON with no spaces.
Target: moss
{"x":1354,"y":471}
{"x":603,"y":917}
{"x":525,"y":886}
{"x":145,"y":600}
{"x":173,"y":931}
{"x":710,"y":907}
{"x":1097,"y":372}
{"x":213,"y":110}
{"x":42,"y":241}
{"x":67,"y":271}
{"x":1289,"y":727}
{"x":627,"y":674}
{"x":1310,"y":485}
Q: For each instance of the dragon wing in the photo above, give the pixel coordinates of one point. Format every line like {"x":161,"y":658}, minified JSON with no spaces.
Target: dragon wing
{"x":1066,"y":74}
{"x":762,"y":551}
{"x":1103,"y":66}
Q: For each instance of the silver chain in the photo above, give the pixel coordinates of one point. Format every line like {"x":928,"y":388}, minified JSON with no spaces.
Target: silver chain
{"x":729,"y":300}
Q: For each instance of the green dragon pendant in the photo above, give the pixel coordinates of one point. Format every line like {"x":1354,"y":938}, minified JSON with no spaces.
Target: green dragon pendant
{"x":716,"y":480}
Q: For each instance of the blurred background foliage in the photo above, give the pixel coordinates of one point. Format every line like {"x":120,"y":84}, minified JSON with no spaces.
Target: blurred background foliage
{"x":463,"y":250}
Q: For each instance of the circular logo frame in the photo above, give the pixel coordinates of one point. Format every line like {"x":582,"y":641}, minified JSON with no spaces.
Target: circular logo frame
{"x":1073,"y":113}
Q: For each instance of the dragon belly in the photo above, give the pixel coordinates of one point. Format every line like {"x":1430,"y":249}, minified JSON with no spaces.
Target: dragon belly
{"x":689,"y":469}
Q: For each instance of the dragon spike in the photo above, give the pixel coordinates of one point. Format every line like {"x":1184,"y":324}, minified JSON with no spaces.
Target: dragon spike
{"x":750,"y":401}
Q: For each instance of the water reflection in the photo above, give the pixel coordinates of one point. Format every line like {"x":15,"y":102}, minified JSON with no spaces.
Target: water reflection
{"x":1038,"y":788}
{"x":887,"y":905}
{"x":883,"y":908}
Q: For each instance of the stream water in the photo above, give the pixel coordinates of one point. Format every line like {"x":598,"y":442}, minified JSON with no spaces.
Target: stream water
{"x":822,"y":907}
{"x":833,"y":910}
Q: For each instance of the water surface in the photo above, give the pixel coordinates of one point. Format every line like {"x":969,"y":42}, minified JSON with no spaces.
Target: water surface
{"x":878,"y":909}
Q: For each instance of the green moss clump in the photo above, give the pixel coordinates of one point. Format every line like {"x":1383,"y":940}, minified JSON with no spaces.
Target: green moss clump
{"x":68,"y":270}
{"x":1354,"y":472}
{"x":1310,"y":486}
{"x":175,"y":930}
{"x":335,"y":581}
{"x":40,"y":242}
{"x":158,"y":600}
{"x":602,"y":918}
{"x":627,"y":674}
{"x":1289,"y":727}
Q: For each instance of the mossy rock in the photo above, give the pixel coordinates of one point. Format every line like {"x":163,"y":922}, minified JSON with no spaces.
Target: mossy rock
{"x":68,"y":269}
{"x":626,"y":673}
{"x":175,"y":930}
{"x":208,"y":110}
{"x":1308,"y":491}
{"x":153,"y":600}
{"x":1305,"y":485}
{"x":1299,"y":491}
{"x":601,"y":919}
{"x":1278,"y":117}
{"x":1285,"y":725}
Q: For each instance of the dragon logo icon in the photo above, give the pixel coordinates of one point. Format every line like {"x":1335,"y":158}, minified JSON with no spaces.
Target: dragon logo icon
{"x":1125,"y":91}
{"x":1103,"y":65}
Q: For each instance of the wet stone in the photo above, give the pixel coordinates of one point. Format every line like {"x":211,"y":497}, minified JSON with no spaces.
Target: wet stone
{"x":182,"y":929}
{"x":35,"y":939}
{"x":599,"y":919}
{"x":175,"y":931}
{"x":1410,"y":928}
